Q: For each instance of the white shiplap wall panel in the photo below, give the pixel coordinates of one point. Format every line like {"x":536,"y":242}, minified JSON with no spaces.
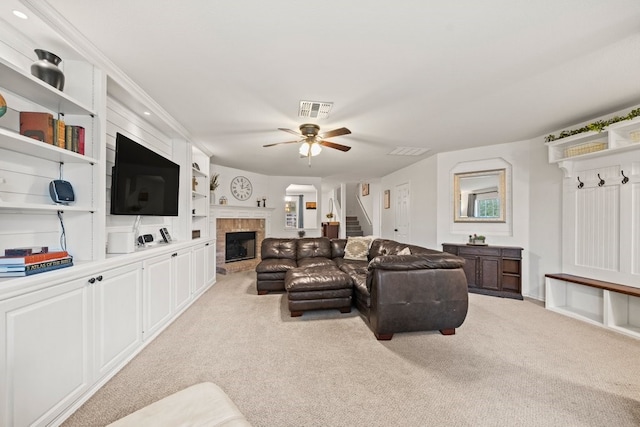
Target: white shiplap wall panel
{"x":120,"y":119}
{"x":635,"y":228}
{"x":598,"y":227}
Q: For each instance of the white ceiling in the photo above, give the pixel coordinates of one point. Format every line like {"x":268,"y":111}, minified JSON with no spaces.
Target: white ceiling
{"x":443,"y":75}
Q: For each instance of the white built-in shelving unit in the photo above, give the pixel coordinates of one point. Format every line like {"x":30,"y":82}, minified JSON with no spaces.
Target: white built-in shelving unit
{"x":617,"y":138}
{"x":64,"y":333}
{"x":600,"y":278}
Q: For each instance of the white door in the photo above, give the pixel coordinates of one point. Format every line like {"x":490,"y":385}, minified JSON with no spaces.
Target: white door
{"x":45,"y":357}
{"x":402,"y":218}
{"x":118,"y":315}
{"x":157,"y":293}
{"x":210,"y":257}
{"x":182,"y":279}
{"x":199,"y":269}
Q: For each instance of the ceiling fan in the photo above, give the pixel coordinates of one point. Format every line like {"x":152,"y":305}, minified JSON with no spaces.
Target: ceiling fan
{"x":312,"y":143}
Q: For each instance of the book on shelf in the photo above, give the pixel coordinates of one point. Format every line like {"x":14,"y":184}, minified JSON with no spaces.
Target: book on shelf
{"x":27,"y":250}
{"x":59,"y":133}
{"x":80,"y":139}
{"x":40,"y":267}
{"x":37,"y":126}
{"x":31,"y":259}
{"x":68,"y":137}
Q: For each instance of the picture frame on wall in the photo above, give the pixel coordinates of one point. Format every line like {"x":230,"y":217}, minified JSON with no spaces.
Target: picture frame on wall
{"x":387,"y":199}
{"x":365,"y":189}
{"x":310,"y":205}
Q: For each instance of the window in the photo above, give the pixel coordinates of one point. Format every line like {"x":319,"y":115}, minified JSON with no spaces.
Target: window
{"x":488,"y":208}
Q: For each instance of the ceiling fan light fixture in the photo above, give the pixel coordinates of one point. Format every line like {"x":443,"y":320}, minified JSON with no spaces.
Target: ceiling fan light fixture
{"x":314,"y":147}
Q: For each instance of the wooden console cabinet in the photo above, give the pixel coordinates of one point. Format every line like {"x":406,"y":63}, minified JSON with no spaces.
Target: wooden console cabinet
{"x":491,"y":270}
{"x":330,"y":229}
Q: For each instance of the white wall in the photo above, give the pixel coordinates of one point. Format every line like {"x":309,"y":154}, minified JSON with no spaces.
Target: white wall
{"x":544,"y":251}
{"x":534,"y":196}
{"x":422,"y":178}
{"x":274,"y":189}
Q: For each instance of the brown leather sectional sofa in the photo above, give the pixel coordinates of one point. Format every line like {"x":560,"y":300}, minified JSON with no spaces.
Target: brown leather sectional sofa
{"x":423,"y":291}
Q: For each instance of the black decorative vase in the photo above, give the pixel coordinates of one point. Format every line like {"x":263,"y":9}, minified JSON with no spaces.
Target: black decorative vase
{"x":46,"y":69}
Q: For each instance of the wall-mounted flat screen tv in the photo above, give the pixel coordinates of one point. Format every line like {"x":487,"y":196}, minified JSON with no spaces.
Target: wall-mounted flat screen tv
{"x":143,"y":182}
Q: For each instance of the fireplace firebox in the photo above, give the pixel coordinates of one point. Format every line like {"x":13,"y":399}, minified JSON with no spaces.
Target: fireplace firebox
{"x":239,"y":246}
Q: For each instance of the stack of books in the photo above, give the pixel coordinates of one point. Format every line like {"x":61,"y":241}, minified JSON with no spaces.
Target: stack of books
{"x":44,"y":127}
{"x":19,"y":262}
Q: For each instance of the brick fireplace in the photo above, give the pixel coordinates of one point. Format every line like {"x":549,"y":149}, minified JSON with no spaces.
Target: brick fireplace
{"x":235,"y":225}
{"x":230,"y":219}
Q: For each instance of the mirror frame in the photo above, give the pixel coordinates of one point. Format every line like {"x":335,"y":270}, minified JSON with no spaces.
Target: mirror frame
{"x":303,"y":209}
{"x":502,"y":191}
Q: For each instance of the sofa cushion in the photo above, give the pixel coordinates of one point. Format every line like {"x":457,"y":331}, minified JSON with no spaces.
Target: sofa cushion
{"x":203,"y":404}
{"x":440,"y":260}
{"x":278,"y":248}
{"x":337,"y":248}
{"x":391,"y":247}
{"x":274,"y":265}
{"x":352,"y":267}
{"x":313,"y":247}
{"x":315,"y":262}
{"x":357,"y":248}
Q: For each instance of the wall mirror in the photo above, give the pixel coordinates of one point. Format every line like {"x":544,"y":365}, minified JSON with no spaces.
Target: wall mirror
{"x":300,"y":206}
{"x":480,"y":196}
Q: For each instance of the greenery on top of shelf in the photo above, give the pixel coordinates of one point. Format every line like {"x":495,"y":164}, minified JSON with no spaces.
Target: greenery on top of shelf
{"x":213,"y":184}
{"x":597,"y":126}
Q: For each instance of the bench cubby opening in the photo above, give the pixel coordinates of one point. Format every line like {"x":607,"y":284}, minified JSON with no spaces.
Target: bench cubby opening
{"x":606,"y":304}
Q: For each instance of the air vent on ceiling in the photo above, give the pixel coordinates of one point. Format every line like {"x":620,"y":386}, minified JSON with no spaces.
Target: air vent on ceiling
{"x":407,"y":151}
{"x":315,"y":109}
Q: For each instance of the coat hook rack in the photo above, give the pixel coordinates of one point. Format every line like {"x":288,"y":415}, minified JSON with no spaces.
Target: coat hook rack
{"x":581,"y":183}
{"x":601,"y":182}
{"x":625,"y":179}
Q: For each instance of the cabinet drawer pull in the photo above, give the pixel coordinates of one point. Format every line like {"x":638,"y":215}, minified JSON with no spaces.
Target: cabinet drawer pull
{"x":99,"y":278}
{"x":92,"y":280}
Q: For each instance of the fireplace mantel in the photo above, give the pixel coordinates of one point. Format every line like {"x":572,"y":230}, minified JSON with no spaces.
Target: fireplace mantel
{"x":226,"y":211}
{"x":226,"y":218}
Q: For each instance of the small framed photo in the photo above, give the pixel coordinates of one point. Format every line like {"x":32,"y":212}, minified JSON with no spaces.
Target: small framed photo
{"x":310,"y":205}
{"x":387,"y":199}
{"x":365,"y":189}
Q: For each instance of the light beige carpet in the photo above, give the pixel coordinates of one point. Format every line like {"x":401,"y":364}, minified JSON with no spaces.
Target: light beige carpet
{"x":512,"y":363}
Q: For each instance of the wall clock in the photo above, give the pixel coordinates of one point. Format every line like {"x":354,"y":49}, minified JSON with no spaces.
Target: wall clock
{"x":241,"y":188}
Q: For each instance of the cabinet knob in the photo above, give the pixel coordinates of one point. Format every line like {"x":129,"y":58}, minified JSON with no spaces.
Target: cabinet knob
{"x":92,"y":280}
{"x":174,"y":255}
{"x":99,"y":278}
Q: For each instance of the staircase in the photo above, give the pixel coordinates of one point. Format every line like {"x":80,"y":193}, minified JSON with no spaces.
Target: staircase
{"x":353,"y":226}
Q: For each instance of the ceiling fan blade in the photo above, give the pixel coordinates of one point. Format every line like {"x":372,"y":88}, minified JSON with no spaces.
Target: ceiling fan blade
{"x":278,"y":143}
{"x":336,"y":132}
{"x":290,"y":131}
{"x":334,"y":145}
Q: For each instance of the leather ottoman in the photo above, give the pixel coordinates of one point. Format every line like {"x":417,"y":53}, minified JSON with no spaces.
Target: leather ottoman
{"x":319,"y":287}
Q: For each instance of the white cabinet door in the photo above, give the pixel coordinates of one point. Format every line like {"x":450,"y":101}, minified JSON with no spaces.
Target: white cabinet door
{"x":199,"y":268}
{"x":182,"y":279}
{"x":117,"y":296}
{"x":157,"y":293}
{"x":210,"y":258}
{"x":45,"y":363}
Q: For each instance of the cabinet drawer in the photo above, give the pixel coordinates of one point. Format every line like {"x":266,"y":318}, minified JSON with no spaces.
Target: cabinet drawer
{"x":475,"y":250}
{"x":512,"y":253}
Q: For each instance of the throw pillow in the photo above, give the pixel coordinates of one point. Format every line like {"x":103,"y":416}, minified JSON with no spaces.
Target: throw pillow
{"x":405,"y":251}
{"x":357,"y":248}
